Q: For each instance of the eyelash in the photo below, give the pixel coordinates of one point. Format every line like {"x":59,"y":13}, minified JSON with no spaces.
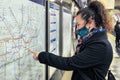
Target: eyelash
{"x":77,"y":24}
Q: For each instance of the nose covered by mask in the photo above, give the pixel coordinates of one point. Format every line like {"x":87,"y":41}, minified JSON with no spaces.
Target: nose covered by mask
{"x":82,"y":32}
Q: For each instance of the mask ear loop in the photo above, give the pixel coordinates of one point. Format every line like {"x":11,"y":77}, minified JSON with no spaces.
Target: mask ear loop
{"x":91,"y":18}
{"x":85,"y":24}
{"x":87,"y":20}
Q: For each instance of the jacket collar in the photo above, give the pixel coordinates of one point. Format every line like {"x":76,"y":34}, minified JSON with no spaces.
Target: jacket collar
{"x":97,"y":37}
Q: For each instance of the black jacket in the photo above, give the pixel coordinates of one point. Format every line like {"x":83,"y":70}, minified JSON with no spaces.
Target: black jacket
{"x":93,"y":59}
{"x":117,"y":30}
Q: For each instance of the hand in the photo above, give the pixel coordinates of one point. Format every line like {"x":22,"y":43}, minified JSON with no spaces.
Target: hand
{"x":35,"y":54}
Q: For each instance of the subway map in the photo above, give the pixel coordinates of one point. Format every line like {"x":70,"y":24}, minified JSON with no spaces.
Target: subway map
{"x":22,"y":27}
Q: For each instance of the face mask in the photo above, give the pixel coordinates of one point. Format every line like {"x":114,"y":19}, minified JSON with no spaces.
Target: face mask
{"x":82,"y":32}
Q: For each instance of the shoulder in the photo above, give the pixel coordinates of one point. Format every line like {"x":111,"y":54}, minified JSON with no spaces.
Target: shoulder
{"x":99,"y":45}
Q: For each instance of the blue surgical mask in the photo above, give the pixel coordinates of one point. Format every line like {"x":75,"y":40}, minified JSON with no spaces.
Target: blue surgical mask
{"x":82,"y":32}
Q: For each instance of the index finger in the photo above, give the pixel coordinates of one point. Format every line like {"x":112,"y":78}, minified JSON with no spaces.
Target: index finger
{"x":30,"y":50}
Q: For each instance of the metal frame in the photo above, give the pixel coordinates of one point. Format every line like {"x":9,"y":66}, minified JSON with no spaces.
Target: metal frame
{"x":47,"y":33}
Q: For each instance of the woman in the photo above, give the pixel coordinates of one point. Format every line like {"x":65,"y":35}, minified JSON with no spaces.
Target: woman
{"x":94,"y":52}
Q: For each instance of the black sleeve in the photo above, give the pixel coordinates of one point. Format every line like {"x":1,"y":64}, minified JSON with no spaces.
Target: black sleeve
{"x":90,"y":56}
{"x":115,"y":28}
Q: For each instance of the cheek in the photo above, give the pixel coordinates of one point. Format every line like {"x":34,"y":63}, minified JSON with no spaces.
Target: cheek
{"x":79,"y":27}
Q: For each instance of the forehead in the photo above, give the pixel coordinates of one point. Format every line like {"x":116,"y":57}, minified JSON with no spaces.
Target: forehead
{"x":79,"y":18}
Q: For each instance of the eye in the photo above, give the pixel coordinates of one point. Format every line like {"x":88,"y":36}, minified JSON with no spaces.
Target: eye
{"x":77,"y":24}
